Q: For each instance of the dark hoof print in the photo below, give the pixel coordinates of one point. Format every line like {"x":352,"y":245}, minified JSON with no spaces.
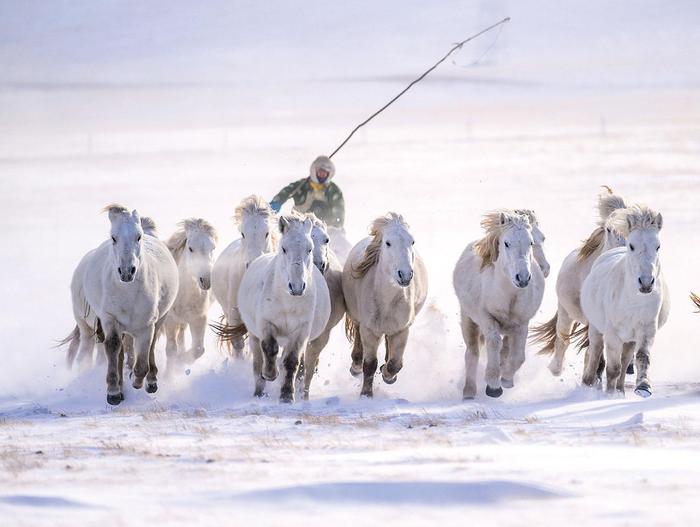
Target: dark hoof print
{"x":630,"y":369}
{"x":494,"y":392}
{"x":151,"y":388}
{"x":354,"y":372}
{"x":114,"y":400}
{"x":643,"y":390}
{"x":388,"y":381}
{"x":506,"y":383}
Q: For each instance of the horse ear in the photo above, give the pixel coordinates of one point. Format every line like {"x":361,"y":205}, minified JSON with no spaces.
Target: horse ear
{"x":283,"y":224}
{"x":659,"y":220}
{"x":308,"y":226}
{"x":503,"y":218}
{"x":629,"y":223}
{"x":135,"y":215}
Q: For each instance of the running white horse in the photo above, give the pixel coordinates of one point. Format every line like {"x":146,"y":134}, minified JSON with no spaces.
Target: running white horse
{"x":192,"y":247}
{"x":257,"y":224}
{"x":124,"y":287}
{"x":499,"y":291}
{"x":385,"y":284}
{"x":625,"y":301}
{"x":284,"y":302}
{"x":554,"y":336}
{"x":326,"y":262}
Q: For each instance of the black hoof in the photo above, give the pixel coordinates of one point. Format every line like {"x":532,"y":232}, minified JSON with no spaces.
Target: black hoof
{"x":115,"y":399}
{"x":355,"y":372}
{"x":493,"y":392}
{"x":630,"y":369}
{"x":151,"y":387}
{"x":286,"y":399}
{"x":643,"y":390}
{"x":388,"y":381}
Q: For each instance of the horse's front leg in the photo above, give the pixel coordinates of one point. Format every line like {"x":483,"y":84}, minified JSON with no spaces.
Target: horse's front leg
{"x":152,"y":375}
{"x":257,"y":353}
{"x":113,"y":343}
{"x":311,"y":355}
{"x":594,"y":354}
{"x":561,"y":340}
{"x":396,"y":345}
{"x":142,"y":348}
{"x":516,"y":341}
{"x":627,"y":354}
{"x":198,"y":327}
{"x":370,"y":343}
{"x":613,"y":362}
{"x":642,"y":359}
{"x":171,"y":329}
{"x":470,"y":333}
{"x":494,"y":343}
{"x":290,"y":360}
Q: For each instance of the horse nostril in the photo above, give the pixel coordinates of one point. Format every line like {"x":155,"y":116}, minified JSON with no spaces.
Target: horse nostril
{"x":289,"y":285}
{"x":119,"y":270}
{"x":201,"y":280}
{"x":640,"y":281}
{"x":517,"y":277}
{"x":303,"y":286}
{"x":401,"y":275}
{"x":133,"y":270}
{"x":652,"y":281}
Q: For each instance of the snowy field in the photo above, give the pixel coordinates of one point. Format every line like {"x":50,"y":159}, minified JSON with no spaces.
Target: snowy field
{"x":182,"y":112}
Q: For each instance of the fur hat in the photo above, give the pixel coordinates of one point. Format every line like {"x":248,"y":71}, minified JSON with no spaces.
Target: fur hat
{"x":325,"y":163}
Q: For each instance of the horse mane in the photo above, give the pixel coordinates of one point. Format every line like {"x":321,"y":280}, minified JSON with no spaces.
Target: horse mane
{"x":115,"y":208}
{"x":530,"y":214}
{"x":607,"y":204}
{"x":376,"y":231}
{"x":176,"y":243}
{"x":635,"y":217}
{"x":495,"y":223}
{"x":253,"y":204}
{"x":148,"y":225}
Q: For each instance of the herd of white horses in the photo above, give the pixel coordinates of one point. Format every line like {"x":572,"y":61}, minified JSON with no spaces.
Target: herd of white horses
{"x":283,"y":289}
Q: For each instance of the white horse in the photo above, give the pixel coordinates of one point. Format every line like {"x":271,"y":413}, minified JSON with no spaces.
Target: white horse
{"x":625,"y":301}
{"x":326,"y":262}
{"x":499,"y":291}
{"x":555,"y":335}
{"x":124,"y":287}
{"x":385,"y":284}
{"x":192,"y":247}
{"x":257,"y":223}
{"x":284,"y":302}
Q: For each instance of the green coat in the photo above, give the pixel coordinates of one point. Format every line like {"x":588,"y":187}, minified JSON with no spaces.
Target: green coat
{"x":326,"y":203}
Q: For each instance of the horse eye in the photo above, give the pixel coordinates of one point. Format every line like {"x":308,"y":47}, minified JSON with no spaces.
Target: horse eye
{"x":114,"y":240}
{"x":532,"y":244}
{"x":190,"y":248}
{"x":327,"y":240}
{"x":388,"y":244}
{"x":507,"y":244}
{"x":657,"y":248}
{"x":139,"y":238}
{"x":243,"y":236}
{"x":284,"y":250}
{"x":308,"y":251}
{"x":413,"y":242}
{"x":267,"y":235}
{"x":631,"y":247}
{"x":608,"y":229}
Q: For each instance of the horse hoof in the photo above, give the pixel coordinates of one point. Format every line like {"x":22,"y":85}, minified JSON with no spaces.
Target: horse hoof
{"x":286,"y":399}
{"x":630,"y":369}
{"x":493,"y":392}
{"x":366,"y":395}
{"x":151,"y":387}
{"x":507,"y":383}
{"x":467,"y":397}
{"x":643,"y":390}
{"x":269,"y":378}
{"x":390,"y":380}
{"x":114,"y":400}
{"x":356,"y":371}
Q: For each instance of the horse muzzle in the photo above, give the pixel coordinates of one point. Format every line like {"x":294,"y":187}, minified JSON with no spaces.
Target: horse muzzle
{"x":296,"y":290}
{"x":126,"y":274}
{"x":204,"y":283}
{"x":404,"y":279}
{"x":646,"y":284}
{"x":522,"y":281}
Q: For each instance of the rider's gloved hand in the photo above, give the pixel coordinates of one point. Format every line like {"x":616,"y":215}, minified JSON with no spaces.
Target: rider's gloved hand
{"x":275,"y":205}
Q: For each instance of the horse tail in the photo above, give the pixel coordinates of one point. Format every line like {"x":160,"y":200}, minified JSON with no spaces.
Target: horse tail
{"x":352,"y":329}
{"x":73,"y":342}
{"x":225,"y":334}
{"x":580,"y":338}
{"x":545,"y":335}
{"x":695,"y":299}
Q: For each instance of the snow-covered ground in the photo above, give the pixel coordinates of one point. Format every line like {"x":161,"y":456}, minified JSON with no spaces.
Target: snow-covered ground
{"x":183,"y":111}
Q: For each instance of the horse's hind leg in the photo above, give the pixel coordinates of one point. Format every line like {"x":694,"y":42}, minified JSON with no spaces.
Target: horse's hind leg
{"x":494,"y":342}
{"x":311,"y":355}
{"x":171,"y":330}
{"x":152,"y":375}
{"x":370,"y":343}
{"x":290,"y":359}
{"x":256,"y":351}
{"x":516,"y":355}
{"x":396,"y":345}
{"x":87,"y":345}
{"x":238,"y":342}
{"x":471,"y":335}
{"x":594,"y":354}
{"x":198,"y":327}
{"x":113,"y":344}
{"x":627,"y":354}
{"x":613,"y":363}
{"x":561,"y":342}
{"x":142,"y":349}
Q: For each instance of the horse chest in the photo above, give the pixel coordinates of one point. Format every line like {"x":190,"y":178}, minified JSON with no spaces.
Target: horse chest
{"x":391,"y":316}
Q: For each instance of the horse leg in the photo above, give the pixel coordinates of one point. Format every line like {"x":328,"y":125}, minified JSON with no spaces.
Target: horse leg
{"x":627,"y":354}
{"x":313,"y":351}
{"x":290,"y":360}
{"x":120,"y":366}
{"x":113,"y":343}
{"x":270,"y":350}
{"x":256,"y":350}
{"x":171,"y":330}
{"x":613,"y":363}
{"x":396,"y":344}
{"x":516,"y":342}
{"x":561,"y":341}
{"x":494,"y":342}
{"x":198,"y":327}
{"x":152,"y":375}
{"x":356,"y":355}
{"x":470,"y":333}
{"x":180,"y":332}
{"x":643,"y":387}
{"x":594,"y":353}
{"x":238,"y":342}
{"x":128,"y":345}
{"x":142,"y":348}
{"x":370,"y":343}
{"x":87,"y":345}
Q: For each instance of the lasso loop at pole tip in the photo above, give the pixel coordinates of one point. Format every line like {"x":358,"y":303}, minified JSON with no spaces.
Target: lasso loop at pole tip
{"x":457,"y":46}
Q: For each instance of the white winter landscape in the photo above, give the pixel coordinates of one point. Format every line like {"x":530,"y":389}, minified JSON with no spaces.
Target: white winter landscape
{"x":181,"y":109}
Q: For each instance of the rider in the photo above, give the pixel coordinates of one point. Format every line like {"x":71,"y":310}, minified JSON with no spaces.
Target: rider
{"x":316,"y":193}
